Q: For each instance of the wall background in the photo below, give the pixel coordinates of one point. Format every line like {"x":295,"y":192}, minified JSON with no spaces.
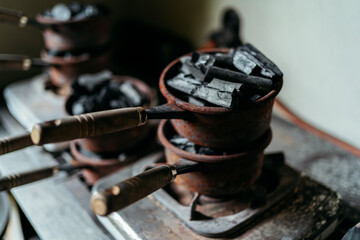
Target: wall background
{"x":314,"y":43}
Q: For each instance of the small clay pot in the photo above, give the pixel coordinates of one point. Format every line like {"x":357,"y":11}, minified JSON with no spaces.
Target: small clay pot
{"x":103,"y":166}
{"x":119,"y":141}
{"x":219,"y":127}
{"x":75,"y":34}
{"x":219,"y":175}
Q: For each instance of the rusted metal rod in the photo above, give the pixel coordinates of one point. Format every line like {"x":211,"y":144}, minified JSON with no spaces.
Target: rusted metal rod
{"x":133,"y":189}
{"x":13,"y":143}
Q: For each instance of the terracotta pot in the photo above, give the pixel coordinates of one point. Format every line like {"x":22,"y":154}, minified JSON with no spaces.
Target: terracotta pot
{"x":218,"y":175}
{"x":118,"y":141}
{"x":220,"y":127}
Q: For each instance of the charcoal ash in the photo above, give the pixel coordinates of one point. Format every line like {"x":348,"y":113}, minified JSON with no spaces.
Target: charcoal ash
{"x":186,"y":145}
{"x":75,"y":11}
{"x":241,"y":76}
{"x":97,"y":92}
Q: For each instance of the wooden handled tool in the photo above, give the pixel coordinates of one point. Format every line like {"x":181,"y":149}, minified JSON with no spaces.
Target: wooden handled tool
{"x":88,"y":125}
{"x":99,"y":123}
{"x":15,"y":180}
{"x":10,"y":144}
{"x":19,"y":18}
{"x":19,"y":62}
{"x":137,"y":187}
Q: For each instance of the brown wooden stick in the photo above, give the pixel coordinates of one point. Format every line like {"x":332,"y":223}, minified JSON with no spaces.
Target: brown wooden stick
{"x":18,"y":179}
{"x":14,"y":62}
{"x":13,"y":17}
{"x":88,"y":125}
{"x":132,"y":190}
{"x":19,"y":62}
{"x":19,"y":18}
{"x":13,"y":143}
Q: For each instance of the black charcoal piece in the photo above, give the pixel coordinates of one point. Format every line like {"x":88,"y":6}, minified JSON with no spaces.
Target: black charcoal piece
{"x":259,"y":84}
{"x":186,"y":145}
{"x":105,"y":94}
{"x":78,"y":89}
{"x":91,"y":11}
{"x":117,"y":103}
{"x":68,"y":56}
{"x":90,"y":104}
{"x":224,"y":60}
{"x":92,"y":81}
{"x":224,"y":85}
{"x":78,"y":107}
{"x":76,"y":7}
{"x":214,"y":96}
{"x":207,"y":151}
{"x":204,"y":61}
{"x":115,"y":85}
{"x":198,"y":89}
{"x":267,"y":67}
{"x":61,"y":12}
{"x":183,"y":144}
{"x":184,"y":84}
{"x":104,"y":97}
{"x":47,"y":13}
{"x":189,"y":68}
{"x":255,"y":97}
{"x":196,"y":101}
{"x":245,"y":62}
{"x":131,"y":93}
{"x":195,"y":57}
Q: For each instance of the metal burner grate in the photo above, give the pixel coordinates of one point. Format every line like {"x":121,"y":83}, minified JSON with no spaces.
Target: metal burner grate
{"x":223,"y":226}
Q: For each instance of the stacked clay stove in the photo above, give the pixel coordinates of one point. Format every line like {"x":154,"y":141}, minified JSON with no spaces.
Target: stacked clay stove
{"x":77,"y":40}
{"x":220,"y":104}
{"x":239,"y":85}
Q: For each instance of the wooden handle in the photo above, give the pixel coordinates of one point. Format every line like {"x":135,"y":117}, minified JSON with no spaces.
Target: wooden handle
{"x":15,"y":180}
{"x":132,"y":190}
{"x":88,"y":125}
{"x":14,"y":62}
{"x":10,"y":144}
{"x":13,"y":17}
